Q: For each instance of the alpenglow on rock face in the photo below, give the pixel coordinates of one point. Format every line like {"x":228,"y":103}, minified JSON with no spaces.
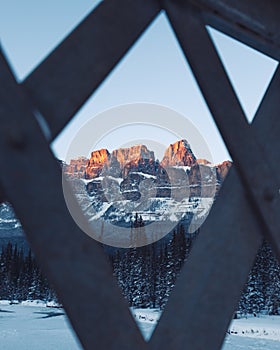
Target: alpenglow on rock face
{"x":130,"y":180}
{"x":96,"y":163}
{"x":76,"y":167}
{"x":125,"y":155}
{"x":178,"y":154}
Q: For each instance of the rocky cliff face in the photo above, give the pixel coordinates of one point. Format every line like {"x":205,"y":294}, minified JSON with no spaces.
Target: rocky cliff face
{"x":120,"y":162}
{"x":129,"y":175}
{"x":96,"y":163}
{"x":132,"y":154}
{"x":139,"y":159}
{"x":203,"y":161}
{"x":222,"y":170}
{"x":76,"y":167}
{"x":178,"y":154}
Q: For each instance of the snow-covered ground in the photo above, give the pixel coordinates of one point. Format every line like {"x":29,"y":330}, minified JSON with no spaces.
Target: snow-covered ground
{"x":147,"y":320}
{"x":261,"y":332}
{"x":32,"y":325}
{"x":253,"y":333}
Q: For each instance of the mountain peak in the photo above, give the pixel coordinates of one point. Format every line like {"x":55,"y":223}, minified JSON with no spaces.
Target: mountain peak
{"x":96,"y":162}
{"x":125,"y":155}
{"x":182,"y":143}
{"x":178,"y":154}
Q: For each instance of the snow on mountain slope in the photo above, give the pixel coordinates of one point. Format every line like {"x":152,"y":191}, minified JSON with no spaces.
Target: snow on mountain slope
{"x":9,"y":224}
{"x":131,"y":180}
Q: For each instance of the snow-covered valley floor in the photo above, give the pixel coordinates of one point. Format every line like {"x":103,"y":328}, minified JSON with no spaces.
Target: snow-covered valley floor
{"x":261,"y":332}
{"x":30,"y":326}
{"x":252,"y":333}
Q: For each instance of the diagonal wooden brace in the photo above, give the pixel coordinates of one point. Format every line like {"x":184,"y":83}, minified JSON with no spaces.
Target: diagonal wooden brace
{"x":75,"y":264}
{"x":256,"y":167}
{"x":211,"y":281}
{"x":75,"y":69}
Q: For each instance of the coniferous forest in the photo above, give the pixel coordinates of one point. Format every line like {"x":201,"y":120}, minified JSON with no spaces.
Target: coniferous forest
{"x":146,"y":275}
{"x":21,"y":278}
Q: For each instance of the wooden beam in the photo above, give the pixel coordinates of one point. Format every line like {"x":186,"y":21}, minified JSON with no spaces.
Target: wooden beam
{"x":74,"y":263}
{"x":75,"y":69}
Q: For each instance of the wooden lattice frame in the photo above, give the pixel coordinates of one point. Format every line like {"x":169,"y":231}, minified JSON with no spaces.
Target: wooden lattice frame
{"x":210,"y":284}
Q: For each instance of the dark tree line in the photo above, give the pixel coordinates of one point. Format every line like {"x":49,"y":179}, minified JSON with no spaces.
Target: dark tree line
{"x":20,"y":277}
{"x":262,"y":291}
{"x":146,"y":275}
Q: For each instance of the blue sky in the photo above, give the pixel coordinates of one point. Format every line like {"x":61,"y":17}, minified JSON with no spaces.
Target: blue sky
{"x":154,"y":70}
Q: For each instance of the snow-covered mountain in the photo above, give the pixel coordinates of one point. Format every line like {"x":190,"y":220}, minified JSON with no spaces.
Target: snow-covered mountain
{"x":130,"y":180}
{"x":9,"y":225}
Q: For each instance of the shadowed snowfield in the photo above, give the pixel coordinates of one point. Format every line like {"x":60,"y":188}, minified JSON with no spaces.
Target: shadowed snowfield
{"x":32,"y":325}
